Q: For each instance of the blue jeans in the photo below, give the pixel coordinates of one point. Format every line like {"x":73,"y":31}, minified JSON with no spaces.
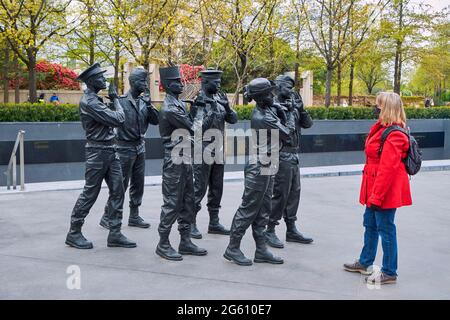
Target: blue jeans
{"x":380,"y":223}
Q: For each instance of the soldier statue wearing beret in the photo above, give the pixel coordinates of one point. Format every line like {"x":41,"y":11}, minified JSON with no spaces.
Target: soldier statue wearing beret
{"x":286,"y":190}
{"x":139,"y":113}
{"x":256,"y":200}
{"x":102,"y":161}
{"x":209,"y":176}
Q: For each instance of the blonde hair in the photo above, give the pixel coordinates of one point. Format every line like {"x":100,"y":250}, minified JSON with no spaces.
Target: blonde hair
{"x":391,"y":107}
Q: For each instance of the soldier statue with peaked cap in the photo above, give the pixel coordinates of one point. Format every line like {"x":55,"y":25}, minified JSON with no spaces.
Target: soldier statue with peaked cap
{"x":258,"y":185}
{"x":102,"y":161}
{"x":209,"y":176}
{"x":177,"y":178}
{"x":139,"y":113}
{"x":286,"y":190}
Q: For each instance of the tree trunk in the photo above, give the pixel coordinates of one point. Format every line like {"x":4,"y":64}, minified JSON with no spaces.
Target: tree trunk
{"x":6,"y":75}
{"x":90,"y":10}
{"x":350,"y":84}
{"x":397,"y":68}
{"x":328,"y":86}
{"x":122,"y":76}
{"x":16,"y":79}
{"x":32,"y":80}
{"x":116,"y":67}
{"x":339,"y":84}
{"x":398,"y":51}
{"x":243,"y":75}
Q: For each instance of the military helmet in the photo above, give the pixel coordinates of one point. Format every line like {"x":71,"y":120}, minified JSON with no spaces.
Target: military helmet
{"x":284,"y":78}
{"x":258,"y":86}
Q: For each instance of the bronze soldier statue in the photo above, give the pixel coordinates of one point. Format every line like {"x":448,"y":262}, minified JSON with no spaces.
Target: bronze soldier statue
{"x":286,"y":191}
{"x":256,"y":200}
{"x":139,"y":113}
{"x":177,"y":178}
{"x":209,"y":176}
{"x":102,"y":161}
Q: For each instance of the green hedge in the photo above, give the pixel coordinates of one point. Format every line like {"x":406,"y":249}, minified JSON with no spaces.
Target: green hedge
{"x":28,"y":112}
{"x":51,"y":113}
{"x":358,"y":113}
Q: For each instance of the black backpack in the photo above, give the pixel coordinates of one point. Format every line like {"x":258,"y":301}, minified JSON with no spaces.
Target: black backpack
{"x":413,"y":159}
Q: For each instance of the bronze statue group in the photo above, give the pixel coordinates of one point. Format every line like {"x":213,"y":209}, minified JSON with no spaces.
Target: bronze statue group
{"x":115,"y":152}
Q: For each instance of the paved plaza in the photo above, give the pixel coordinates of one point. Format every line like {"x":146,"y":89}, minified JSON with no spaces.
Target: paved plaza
{"x":34,"y":259}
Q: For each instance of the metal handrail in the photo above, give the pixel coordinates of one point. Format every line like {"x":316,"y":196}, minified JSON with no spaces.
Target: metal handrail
{"x":11,"y":171}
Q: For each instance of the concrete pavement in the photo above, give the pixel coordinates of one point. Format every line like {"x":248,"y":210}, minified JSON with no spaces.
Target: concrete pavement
{"x":34,"y":260}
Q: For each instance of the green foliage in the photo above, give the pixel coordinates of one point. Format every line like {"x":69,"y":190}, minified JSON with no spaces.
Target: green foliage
{"x":27,"y":112}
{"x":356,"y":113}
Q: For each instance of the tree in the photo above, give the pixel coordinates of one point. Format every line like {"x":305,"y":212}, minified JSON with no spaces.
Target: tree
{"x":329,"y":23}
{"x":405,"y":26}
{"x":244,"y":25}
{"x":88,"y":40}
{"x":28,"y":26}
{"x":370,"y":68}
{"x":145,"y":24}
{"x":433,"y":72}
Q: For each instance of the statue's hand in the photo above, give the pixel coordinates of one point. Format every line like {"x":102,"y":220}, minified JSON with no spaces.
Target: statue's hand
{"x":200,"y":101}
{"x":223,"y":100}
{"x":146,"y":96}
{"x":112,"y":92}
{"x":281,"y":112}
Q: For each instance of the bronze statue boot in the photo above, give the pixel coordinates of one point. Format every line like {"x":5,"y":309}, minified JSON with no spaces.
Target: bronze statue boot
{"x":165,"y":250}
{"x":135,"y":220}
{"x":233,"y":253}
{"x":117,"y":239}
{"x":195,"y":233}
{"x":104,"y":221}
{"x":214,"y":226}
{"x":271,"y":237}
{"x":262,"y":255}
{"x":188,"y":247}
{"x":293,"y":235}
{"x":76,"y":239}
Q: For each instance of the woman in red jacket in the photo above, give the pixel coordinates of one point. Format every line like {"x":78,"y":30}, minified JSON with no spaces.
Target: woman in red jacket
{"x":384,"y":188}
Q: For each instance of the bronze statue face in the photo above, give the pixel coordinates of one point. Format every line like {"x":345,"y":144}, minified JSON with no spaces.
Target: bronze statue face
{"x":211,"y":86}
{"x":284,"y":89}
{"x":174,"y":86}
{"x":97,"y":82}
{"x":265,"y":99}
{"x":139,"y":85}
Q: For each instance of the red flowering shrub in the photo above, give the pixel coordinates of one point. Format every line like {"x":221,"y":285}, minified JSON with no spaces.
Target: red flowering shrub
{"x":190,"y":74}
{"x":50,"y":76}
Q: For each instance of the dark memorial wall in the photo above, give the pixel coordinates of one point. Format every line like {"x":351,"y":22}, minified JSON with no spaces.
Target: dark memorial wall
{"x":60,"y":151}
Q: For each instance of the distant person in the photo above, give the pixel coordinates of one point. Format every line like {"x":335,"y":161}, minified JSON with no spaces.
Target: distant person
{"x":427,"y":102}
{"x":54,"y":99}
{"x":41,"y":98}
{"x":384,"y":188}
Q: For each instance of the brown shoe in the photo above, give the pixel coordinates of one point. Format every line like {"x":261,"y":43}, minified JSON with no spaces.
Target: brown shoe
{"x":357,"y":267}
{"x":381,"y":278}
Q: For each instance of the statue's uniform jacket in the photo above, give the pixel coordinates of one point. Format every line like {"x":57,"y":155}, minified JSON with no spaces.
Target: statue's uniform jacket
{"x":102,"y":161}
{"x":256,"y":200}
{"x":139,"y":113}
{"x":287,"y":187}
{"x":211,"y":175}
{"x":177,"y":179}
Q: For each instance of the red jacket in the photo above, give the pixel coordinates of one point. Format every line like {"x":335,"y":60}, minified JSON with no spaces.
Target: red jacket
{"x":385,"y":182}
